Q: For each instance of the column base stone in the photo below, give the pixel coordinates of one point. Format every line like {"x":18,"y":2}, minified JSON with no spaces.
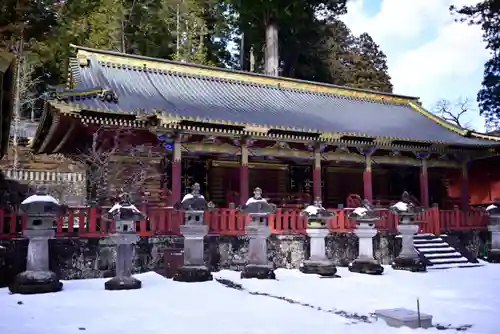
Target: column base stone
{"x":35,"y":282}
{"x":258,"y":271}
{"x":413,"y":264}
{"x":366,"y":267}
{"x":322,"y":268}
{"x":123,"y":283}
{"x":493,"y":256}
{"x":193,"y":274}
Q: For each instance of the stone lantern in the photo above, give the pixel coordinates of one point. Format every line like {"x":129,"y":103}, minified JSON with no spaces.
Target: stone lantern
{"x":317,"y":230}
{"x":493,"y":212}
{"x":125,"y":214}
{"x":257,"y":230}
{"x":194,"y":231}
{"x":365,"y":217}
{"x":42,"y":211}
{"x":406,"y":211}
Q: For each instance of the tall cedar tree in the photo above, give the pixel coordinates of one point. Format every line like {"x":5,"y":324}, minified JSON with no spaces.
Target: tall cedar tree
{"x":310,"y":48}
{"x":314,"y":49}
{"x":486,"y":14}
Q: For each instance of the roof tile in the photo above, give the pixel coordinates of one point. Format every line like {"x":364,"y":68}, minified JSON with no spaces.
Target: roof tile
{"x":209,"y":98}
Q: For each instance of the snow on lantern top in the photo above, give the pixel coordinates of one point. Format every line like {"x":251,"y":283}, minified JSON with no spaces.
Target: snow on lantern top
{"x":194,"y":201}
{"x":364,"y":212}
{"x":493,"y":210}
{"x":317,"y":215}
{"x":125,"y":210}
{"x":41,"y":203}
{"x":406,"y":207}
{"x":317,"y":211}
{"x":258,"y":204}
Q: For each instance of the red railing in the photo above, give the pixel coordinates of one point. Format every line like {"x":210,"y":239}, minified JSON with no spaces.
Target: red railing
{"x":90,"y":222}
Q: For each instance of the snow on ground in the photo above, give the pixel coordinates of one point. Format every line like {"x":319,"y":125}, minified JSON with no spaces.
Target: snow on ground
{"x":456,"y":296}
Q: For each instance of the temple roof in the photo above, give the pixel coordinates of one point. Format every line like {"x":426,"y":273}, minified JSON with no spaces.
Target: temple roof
{"x":147,"y":86}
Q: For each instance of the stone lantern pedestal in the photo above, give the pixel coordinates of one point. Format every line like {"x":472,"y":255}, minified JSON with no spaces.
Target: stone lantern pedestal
{"x":258,"y":265}
{"x":41,"y":210}
{"x":408,"y":259}
{"x":317,"y":230}
{"x":406,"y":211}
{"x":123,"y":280}
{"x":494,"y":252}
{"x":318,"y":263}
{"x":365,"y":262}
{"x":493,"y":211}
{"x":125,"y":214}
{"x":258,"y":231}
{"x":194,"y":231}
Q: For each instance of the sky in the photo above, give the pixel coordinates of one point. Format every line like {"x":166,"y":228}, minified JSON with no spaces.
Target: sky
{"x":429,"y":55}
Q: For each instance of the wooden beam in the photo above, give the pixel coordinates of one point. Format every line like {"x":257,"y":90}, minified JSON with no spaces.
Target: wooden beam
{"x":251,"y":165}
{"x":52,"y":130}
{"x":66,"y":136}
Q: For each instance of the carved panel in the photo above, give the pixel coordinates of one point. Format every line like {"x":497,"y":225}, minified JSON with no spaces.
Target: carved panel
{"x":194,"y":170}
{"x":301,"y":179}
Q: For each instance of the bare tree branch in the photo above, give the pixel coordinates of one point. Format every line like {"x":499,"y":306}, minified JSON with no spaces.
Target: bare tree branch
{"x":454,"y":112}
{"x":115,"y":164}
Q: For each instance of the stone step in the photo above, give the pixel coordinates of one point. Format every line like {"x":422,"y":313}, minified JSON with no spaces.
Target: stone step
{"x":453,"y":265}
{"x":435,"y":249}
{"x":459,"y":259}
{"x":432,"y":244}
{"x":441,"y":254}
{"x":424,"y":241}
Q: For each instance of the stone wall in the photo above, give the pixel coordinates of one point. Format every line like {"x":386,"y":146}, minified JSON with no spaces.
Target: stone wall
{"x":74,"y":258}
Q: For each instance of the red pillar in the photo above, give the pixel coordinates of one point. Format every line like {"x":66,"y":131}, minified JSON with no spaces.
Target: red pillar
{"x":176,"y":171}
{"x":464,"y":193}
{"x":367,"y":180}
{"x":424,"y":185}
{"x":316,"y":175}
{"x":244,"y":174}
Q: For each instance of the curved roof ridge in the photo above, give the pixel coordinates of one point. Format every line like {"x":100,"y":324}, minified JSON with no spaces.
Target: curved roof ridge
{"x":452,"y":127}
{"x":224,"y":71}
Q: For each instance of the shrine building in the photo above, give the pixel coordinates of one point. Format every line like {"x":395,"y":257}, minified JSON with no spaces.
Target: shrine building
{"x":232,"y":131}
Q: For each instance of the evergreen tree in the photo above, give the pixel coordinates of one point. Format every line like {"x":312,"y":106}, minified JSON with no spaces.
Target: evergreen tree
{"x":368,"y":67}
{"x":486,"y":14}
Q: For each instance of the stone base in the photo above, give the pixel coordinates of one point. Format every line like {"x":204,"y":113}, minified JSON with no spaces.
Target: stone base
{"x":409,"y":264}
{"x":34,"y":282}
{"x":493,"y":256}
{"x":123,"y":283}
{"x":400,"y":317}
{"x":323,"y":268}
{"x":258,"y":271}
{"x":366,"y":267}
{"x":192,"y":274}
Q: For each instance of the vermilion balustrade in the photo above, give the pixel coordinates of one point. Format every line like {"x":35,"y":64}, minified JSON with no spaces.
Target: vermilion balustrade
{"x":91,"y":222}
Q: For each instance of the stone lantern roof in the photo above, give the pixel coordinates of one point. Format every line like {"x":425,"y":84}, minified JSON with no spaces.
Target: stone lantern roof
{"x":405,"y":206}
{"x":258,"y":204}
{"x":317,"y":211}
{"x":124,"y":209}
{"x":364,"y":212}
{"x":41,"y":202}
{"x":494,"y":209}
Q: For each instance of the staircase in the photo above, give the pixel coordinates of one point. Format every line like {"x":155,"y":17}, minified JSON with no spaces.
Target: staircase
{"x":441,"y":252}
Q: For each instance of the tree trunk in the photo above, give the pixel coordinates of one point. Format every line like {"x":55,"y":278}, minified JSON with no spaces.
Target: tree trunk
{"x":271,"y":63}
